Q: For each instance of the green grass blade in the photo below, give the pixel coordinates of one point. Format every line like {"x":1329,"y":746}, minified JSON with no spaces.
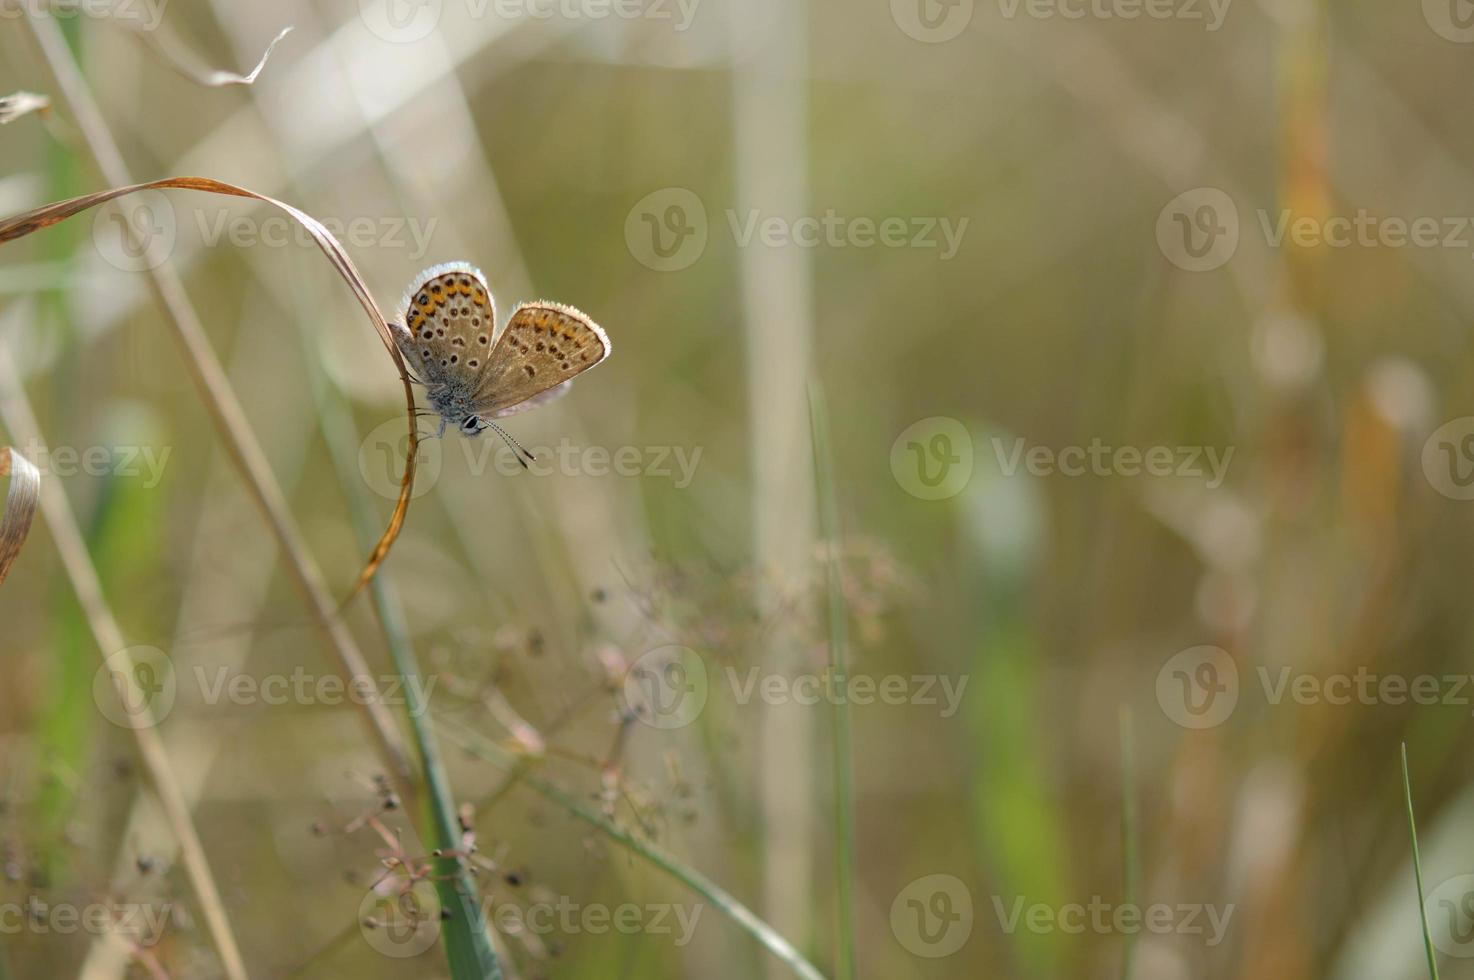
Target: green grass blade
{"x":1412,"y":827}
{"x":468,"y":946}
{"x":484,"y":748}
{"x":844,"y":811}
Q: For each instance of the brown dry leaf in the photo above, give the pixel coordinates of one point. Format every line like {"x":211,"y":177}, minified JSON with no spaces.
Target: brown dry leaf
{"x":12,"y":107}
{"x":20,"y":505}
{"x":180,"y":58}
{"x":43,"y":217}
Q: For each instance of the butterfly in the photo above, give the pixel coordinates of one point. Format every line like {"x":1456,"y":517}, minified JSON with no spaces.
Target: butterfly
{"x":472,"y":374}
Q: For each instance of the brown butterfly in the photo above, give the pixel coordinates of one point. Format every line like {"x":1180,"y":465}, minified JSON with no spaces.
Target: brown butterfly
{"x":473,"y":374}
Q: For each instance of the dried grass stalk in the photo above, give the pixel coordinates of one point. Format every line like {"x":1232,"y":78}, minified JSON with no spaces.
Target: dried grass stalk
{"x":184,"y":61}
{"x":43,"y":217}
{"x":12,"y":107}
{"x":20,"y":420}
{"x":20,"y":505}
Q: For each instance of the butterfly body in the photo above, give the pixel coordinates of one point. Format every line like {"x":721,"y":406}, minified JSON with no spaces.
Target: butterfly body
{"x":473,"y":373}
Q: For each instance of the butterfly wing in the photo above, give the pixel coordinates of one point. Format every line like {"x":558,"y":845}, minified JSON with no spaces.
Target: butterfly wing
{"x":536,"y":401}
{"x":449,"y":321}
{"x":544,"y":346}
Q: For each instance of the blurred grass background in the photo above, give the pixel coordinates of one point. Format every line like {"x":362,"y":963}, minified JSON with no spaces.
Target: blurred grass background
{"x":523,"y":144}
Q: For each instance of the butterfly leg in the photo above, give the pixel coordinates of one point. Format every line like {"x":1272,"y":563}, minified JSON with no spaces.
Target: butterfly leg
{"x":441,"y":433}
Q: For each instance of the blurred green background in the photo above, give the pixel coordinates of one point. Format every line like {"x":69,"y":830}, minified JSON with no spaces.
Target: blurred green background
{"x":1142,"y":330}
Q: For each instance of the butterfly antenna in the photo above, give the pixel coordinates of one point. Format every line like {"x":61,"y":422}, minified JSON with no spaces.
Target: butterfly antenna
{"x":522,"y":454}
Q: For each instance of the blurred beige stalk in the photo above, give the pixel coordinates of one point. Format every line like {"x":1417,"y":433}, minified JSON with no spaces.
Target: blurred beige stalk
{"x":770,"y":139}
{"x":213,"y":594}
{"x":218,"y":397}
{"x":66,"y":536}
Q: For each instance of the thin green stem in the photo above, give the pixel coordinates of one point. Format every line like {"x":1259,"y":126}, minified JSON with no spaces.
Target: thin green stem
{"x":468,"y":946}
{"x":839,"y":717}
{"x":1412,"y":828}
{"x":484,"y":748}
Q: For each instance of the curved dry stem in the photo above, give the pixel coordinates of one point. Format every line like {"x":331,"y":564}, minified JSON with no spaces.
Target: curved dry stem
{"x":214,"y":387}
{"x":43,"y":217}
{"x":20,"y":505}
{"x":178,"y":57}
